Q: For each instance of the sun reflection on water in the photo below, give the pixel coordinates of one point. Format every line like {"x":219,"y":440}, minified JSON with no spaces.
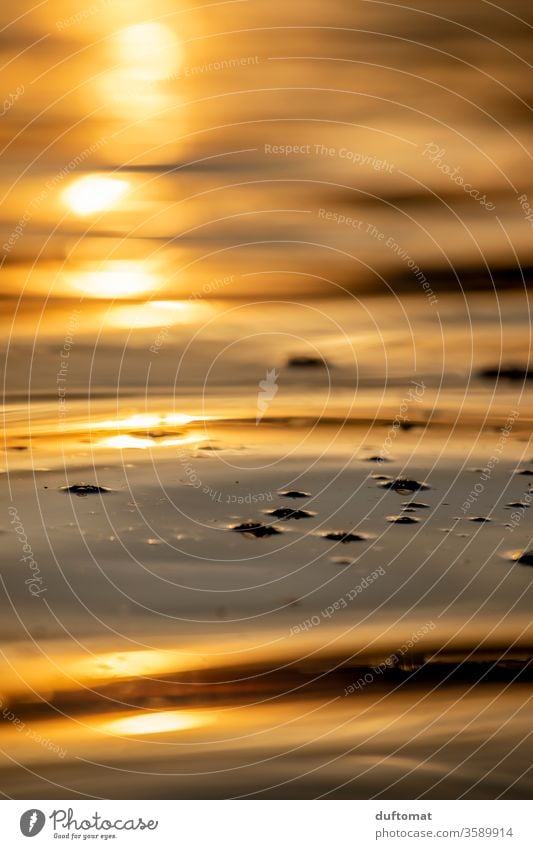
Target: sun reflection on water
{"x":155,"y":723}
{"x":159,"y":314}
{"x":144,"y":56}
{"x":126,"y":440}
{"x":128,"y":664}
{"x":148,"y":51}
{"x":119,"y":279}
{"x":94,"y":193}
{"x":143,"y":420}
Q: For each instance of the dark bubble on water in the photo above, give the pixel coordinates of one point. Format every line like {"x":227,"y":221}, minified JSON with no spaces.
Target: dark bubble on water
{"x":402,"y":520}
{"x":525,"y":558}
{"x":83,"y":489}
{"x":288,"y":513}
{"x":294,"y":493}
{"x":255,"y":529}
{"x":306,"y":362}
{"x":512,"y":372}
{"x":344,"y":536}
{"x":404,"y":485}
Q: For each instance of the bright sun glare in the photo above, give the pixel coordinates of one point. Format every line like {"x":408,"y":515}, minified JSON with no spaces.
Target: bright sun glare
{"x":126,"y":440}
{"x":149,"y":51}
{"x":155,"y":723}
{"x":119,"y":279}
{"x":94,"y":193}
{"x":159,"y":314}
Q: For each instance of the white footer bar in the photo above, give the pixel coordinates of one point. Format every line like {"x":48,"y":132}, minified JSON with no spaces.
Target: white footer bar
{"x":269,"y":824}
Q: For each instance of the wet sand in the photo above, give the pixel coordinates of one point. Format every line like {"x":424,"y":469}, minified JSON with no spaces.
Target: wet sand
{"x":157,"y":641}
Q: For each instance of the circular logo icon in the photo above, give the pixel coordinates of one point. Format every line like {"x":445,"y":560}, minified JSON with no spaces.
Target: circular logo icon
{"x":32,"y":822}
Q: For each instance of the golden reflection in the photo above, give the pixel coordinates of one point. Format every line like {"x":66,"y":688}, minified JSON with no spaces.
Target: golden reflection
{"x":137,"y":422}
{"x":119,"y":279}
{"x":159,"y":314}
{"x":145,"y":58}
{"x":155,"y":723}
{"x":148,"y":51}
{"x":128,"y":99}
{"x":130,"y":664}
{"x":94,"y":193}
{"x":144,"y":420}
{"x":125,"y":440}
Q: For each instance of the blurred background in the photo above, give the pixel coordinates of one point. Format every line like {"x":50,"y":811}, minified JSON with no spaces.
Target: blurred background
{"x":160,"y":158}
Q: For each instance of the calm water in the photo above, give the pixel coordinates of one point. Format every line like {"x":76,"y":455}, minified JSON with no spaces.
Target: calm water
{"x":194,"y":197}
